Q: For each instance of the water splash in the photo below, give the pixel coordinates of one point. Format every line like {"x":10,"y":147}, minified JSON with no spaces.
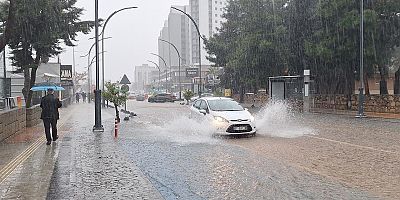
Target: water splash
{"x":184,"y":130}
{"x":277,"y":119}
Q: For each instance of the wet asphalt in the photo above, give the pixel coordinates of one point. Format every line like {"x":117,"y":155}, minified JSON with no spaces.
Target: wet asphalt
{"x":183,"y":161}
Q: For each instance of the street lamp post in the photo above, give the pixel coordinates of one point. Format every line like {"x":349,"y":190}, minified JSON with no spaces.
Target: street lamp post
{"x":89,"y":63}
{"x":98,"y":127}
{"x":166,"y":69}
{"x":159,"y":74}
{"x":361,"y":113}
{"x":198,"y":32}
{"x":102,"y":43}
{"x":179,"y":69}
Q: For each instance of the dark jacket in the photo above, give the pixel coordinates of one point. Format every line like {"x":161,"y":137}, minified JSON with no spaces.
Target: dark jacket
{"x":50,"y":105}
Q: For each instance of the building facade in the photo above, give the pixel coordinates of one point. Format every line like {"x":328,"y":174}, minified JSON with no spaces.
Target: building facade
{"x":144,"y":76}
{"x":208,"y":16}
{"x":180,"y":31}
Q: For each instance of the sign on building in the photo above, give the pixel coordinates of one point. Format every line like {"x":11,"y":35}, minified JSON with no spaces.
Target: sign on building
{"x":192,"y":72}
{"x":66,"y":75}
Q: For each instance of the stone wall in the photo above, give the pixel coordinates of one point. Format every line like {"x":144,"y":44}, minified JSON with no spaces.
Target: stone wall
{"x":33,"y":116}
{"x":11,"y":122}
{"x":260,"y":98}
{"x":373,"y":103}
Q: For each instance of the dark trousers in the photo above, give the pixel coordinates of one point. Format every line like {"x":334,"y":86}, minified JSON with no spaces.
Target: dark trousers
{"x":47,"y":124}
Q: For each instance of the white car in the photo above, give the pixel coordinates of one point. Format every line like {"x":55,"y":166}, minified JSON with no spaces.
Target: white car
{"x":227,"y":115}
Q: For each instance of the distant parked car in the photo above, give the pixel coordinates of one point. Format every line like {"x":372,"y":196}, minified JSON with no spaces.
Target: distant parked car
{"x":140,"y":97}
{"x":161,"y":98}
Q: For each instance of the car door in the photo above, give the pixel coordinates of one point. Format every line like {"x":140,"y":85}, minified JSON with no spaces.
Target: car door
{"x":194,"y":109}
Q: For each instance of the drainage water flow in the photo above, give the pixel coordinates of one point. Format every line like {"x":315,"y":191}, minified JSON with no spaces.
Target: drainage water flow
{"x":277,"y":119}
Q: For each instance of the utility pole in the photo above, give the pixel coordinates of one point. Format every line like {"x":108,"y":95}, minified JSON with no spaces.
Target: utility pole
{"x":98,"y":127}
{"x":361,"y":113}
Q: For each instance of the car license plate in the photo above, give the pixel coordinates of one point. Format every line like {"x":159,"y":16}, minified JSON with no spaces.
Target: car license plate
{"x":240,"y":128}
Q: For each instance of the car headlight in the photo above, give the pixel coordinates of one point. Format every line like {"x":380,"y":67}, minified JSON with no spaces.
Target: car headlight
{"x":220,"y":119}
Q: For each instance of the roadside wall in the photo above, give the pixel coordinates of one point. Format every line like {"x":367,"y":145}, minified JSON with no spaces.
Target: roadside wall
{"x":11,"y":122}
{"x":33,"y":116}
{"x":373,"y":103}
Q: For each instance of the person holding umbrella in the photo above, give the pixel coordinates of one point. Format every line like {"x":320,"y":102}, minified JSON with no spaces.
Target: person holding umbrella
{"x":50,"y":114}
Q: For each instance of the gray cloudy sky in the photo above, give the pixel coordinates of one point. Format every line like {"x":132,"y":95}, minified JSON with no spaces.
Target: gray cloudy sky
{"x":134,"y":34}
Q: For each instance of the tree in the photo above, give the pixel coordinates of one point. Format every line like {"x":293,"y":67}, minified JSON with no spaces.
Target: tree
{"x":115,"y":95}
{"x":264,"y":38}
{"x":188,"y":94}
{"x":38,"y":28}
{"x":250,"y":44}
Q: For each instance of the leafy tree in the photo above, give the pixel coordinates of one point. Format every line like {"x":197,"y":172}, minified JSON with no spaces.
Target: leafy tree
{"x":36,"y":31}
{"x":188,"y":94}
{"x":250,"y":45}
{"x":115,"y":95}
{"x":263,"y":38}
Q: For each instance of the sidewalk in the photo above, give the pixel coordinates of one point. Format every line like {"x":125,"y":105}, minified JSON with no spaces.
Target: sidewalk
{"x":258,"y":107}
{"x":354,"y":113}
{"x":80,"y":165}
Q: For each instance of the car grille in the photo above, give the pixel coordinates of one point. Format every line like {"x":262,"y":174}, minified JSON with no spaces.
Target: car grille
{"x":240,"y":120}
{"x":239,"y":128}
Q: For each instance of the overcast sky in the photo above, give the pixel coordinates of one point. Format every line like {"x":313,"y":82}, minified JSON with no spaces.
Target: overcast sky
{"x":134,"y":34}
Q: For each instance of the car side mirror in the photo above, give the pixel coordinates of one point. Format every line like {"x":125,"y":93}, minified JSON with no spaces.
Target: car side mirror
{"x":246,"y":109}
{"x":204,"y":112}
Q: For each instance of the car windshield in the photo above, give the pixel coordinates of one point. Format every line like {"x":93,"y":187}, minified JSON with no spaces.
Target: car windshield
{"x":224,"y":105}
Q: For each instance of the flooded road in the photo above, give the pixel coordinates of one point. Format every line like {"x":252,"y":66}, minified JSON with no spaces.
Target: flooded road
{"x":292,"y":156}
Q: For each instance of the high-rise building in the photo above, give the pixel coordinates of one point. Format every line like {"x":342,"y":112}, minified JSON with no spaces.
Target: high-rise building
{"x":176,"y":31}
{"x":180,"y":31}
{"x":208,"y":16}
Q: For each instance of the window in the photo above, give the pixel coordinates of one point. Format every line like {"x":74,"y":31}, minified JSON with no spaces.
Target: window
{"x":216,"y":15}
{"x":197,"y":104}
{"x":216,"y":8}
{"x":203,"y":105}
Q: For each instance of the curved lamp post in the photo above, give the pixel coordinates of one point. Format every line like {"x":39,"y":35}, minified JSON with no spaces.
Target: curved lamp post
{"x":102,"y":43}
{"x":166,"y":70}
{"x":159,"y":74}
{"x":90,"y":63}
{"x":179,"y":70}
{"x":198,"y":32}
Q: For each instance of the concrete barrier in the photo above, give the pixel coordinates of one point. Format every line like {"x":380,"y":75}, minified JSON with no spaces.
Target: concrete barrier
{"x":33,"y":116}
{"x":11,"y":122}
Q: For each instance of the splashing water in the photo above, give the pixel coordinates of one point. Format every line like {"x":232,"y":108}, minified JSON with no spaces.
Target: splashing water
{"x":277,"y":119}
{"x":184,"y":130}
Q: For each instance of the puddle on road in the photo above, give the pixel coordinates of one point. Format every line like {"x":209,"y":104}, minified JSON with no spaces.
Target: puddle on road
{"x":277,"y":119}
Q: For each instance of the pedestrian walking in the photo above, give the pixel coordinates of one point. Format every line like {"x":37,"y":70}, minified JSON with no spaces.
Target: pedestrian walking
{"x":84,"y":97}
{"x":50,"y":115}
{"x":77,"y":97}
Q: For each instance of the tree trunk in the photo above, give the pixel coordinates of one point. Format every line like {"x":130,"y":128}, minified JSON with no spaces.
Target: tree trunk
{"x":27,"y":80}
{"x":117,"y":113}
{"x":32,"y":80}
{"x":31,"y":83}
{"x":9,"y":26}
{"x":366,"y":84}
{"x":241,"y":95}
{"x":383,"y":83}
{"x":397,"y":82}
